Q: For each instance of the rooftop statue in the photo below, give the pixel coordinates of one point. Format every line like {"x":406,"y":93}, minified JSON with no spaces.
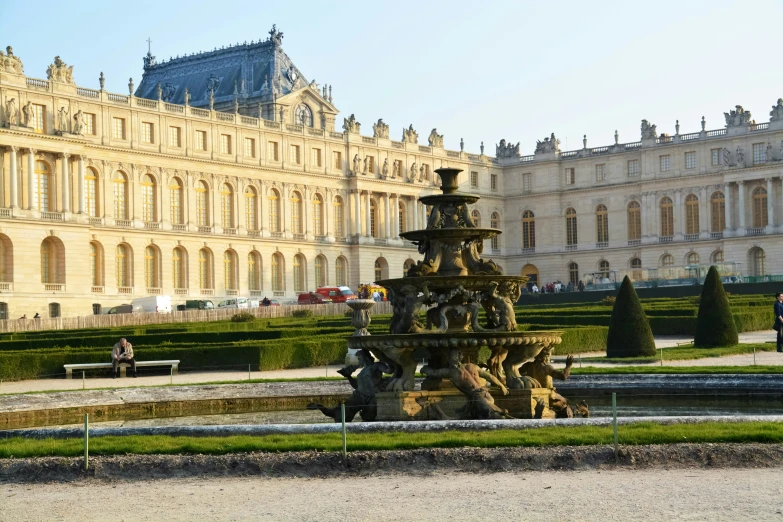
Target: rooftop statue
{"x":275,"y":36}
{"x":739,"y":117}
{"x":10,"y":63}
{"x":350,"y":125}
{"x":550,"y":144}
{"x":776,"y":113}
{"x":380,"y":129}
{"x":505,"y":150}
{"x":59,"y":71}
{"x":11,"y":112}
{"x":409,"y":135}
{"x":435,"y":139}
{"x":649,"y":131}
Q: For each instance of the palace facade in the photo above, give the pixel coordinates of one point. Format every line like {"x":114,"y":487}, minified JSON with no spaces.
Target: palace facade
{"x":223,"y":175}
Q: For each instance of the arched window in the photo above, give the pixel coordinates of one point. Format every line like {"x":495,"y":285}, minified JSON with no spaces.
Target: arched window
{"x":718,"y":211}
{"x":254,"y":270}
{"x":373,"y":232}
{"x":123,"y":266}
{"x":636,"y":269}
{"x":151,"y":267}
{"x":378,"y":270}
{"x":571,"y":237}
{"x":96,"y":264}
{"x":148,"y":206}
{"x":602,"y":224}
{"x":318,"y":221}
{"x":692,"y":259}
{"x":251,"y":222}
{"x":667,"y":260}
{"x":41,"y":186}
{"x":91,"y":192}
{"x":120,"y":183}
{"x":303,"y":115}
{"x":277,"y":272}
{"x":47,"y":261}
{"x":178,"y":268}
{"x":337,"y":204}
{"x":299,"y":273}
{"x":175,"y":203}
{"x":227,"y":205}
{"x":528,"y":229}
{"x":340,"y":271}
{"x":717,"y":256}
{"x":296,"y":212}
{"x":205,"y":278}
{"x":573,"y":273}
{"x":634,"y":221}
{"x":230,"y":270}
{"x":635,"y":263}
{"x":274,"y":211}
{"x":476,"y":217}
{"x":691,"y":214}
{"x":320,"y":271}
{"x":494,"y":222}
{"x":758,"y":261}
{"x":202,"y":204}
{"x":760,"y":218}
{"x":403,"y":217}
{"x":667,"y":217}
{"x":407,"y":266}
{"x":603,"y":267}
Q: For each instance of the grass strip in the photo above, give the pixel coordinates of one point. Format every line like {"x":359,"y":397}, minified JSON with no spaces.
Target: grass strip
{"x":634,"y":434}
{"x":693,"y":370}
{"x":688,"y":352}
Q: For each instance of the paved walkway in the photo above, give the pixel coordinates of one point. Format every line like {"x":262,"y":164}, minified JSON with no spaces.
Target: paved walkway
{"x":60,"y":384}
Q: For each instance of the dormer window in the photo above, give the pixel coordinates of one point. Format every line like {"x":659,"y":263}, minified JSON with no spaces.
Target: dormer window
{"x":303,"y":115}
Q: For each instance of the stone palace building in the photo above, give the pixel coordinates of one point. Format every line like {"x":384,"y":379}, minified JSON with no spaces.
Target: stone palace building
{"x":223,"y":175}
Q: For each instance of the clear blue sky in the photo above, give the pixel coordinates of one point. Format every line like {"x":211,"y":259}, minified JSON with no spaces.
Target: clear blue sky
{"x":478,"y":70}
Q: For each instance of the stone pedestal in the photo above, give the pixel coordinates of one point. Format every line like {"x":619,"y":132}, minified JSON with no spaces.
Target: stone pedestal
{"x":424,"y":405}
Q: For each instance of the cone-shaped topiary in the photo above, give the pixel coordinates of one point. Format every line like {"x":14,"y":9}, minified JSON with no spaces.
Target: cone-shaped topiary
{"x":629,"y":331}
{"x":715,"y":325}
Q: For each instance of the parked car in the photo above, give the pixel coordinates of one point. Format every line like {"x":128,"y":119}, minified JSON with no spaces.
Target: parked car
{"x":338,"y":294}
{"x":198,"y":304}
{"x":312,"y":298}
{"x":253,"y":302}
{"x":121,"y":309}
{"x":236,"y":302}
{"x":155,"y":303}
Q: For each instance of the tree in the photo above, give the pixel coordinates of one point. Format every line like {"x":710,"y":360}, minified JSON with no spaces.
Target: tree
{"x":629,"y":332}
{"x":715,"y":324}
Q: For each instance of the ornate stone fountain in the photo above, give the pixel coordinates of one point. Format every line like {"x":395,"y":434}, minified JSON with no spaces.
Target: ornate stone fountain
{"x":451,"y":285}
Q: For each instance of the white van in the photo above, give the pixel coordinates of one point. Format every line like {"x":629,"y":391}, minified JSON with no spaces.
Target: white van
{"x":237,"y":302}
{"x":154,"y":303}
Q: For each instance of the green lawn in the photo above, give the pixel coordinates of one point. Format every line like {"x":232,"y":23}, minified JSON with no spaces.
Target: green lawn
{"x":634,"y":434}
{"x":625,"y":370}
{"x":687,"y":352}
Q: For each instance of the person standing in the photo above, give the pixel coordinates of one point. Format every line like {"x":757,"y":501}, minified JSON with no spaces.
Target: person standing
{"x":778,"y":326}
{"x":122,"y":353}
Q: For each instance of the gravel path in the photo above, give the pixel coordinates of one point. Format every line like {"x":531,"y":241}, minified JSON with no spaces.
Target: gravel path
{"x":698,"y":494}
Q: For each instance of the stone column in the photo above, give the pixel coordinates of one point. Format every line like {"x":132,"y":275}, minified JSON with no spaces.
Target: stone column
{"x":263,"y":213}
{"x":81,"y":174}
{"x":357,"y":210}
{"x":397,"y":216}
{"x":307,"y":226}
{"x":415,"y":211}
{"x":704,"y":225}
{"x":30,"y":179}
{"x":14,"y":175}
{"x":741,"y":207}
{"x":770,"y":207}
{"x":328,"y":214}
{"x":679,"y":221}
{"x":387,"y":214}
{"x":643,"y":213}
{"x":66,"y":184}
{"x":423,"y":210}
{"x":241,"y":217}
{"x":367,"y":215}
{"x":286,"y":224}
{"x":727,"y":208}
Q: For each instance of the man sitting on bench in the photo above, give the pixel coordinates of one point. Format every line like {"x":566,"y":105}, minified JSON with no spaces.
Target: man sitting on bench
{"x":122,"y":353}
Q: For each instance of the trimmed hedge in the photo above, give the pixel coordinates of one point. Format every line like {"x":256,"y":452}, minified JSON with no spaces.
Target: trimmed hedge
{"x":715,"y":325}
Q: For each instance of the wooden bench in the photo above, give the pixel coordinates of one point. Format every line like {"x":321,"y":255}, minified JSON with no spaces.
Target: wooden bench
{"x":69,"y":368}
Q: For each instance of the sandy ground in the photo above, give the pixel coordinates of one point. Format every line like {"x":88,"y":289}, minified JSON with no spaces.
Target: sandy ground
{"x":60,"y":384}
{"x":698,"y":494}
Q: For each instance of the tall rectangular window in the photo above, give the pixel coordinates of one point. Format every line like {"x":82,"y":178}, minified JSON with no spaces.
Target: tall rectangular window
{"x":473,"y":179}
{"x":147,"y":135}
{"x":39,"y":113}
{"x":570,"y":176}
{"x":666,"y":163}
{"x":337,"y":160}
{"x":527,"y":183}
{"x":201,"y":140}
{"x":315,"y":157}
{"x":294,"y":154}
{"x":493,"y":181}
{"x":250,"y":148}
{"x":89,"y":124}
{"x":716,"y":154}
{"x":600,"y":172}
{"x":118,"y":128}
{"x":370,"y":164}
{"x":690,"y":160}
{"x":272,"y":151}
{"x":759,"y":153}
{"x":174,"y":137}
{"x":633,"y":168}
{"x":225,"y":144}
